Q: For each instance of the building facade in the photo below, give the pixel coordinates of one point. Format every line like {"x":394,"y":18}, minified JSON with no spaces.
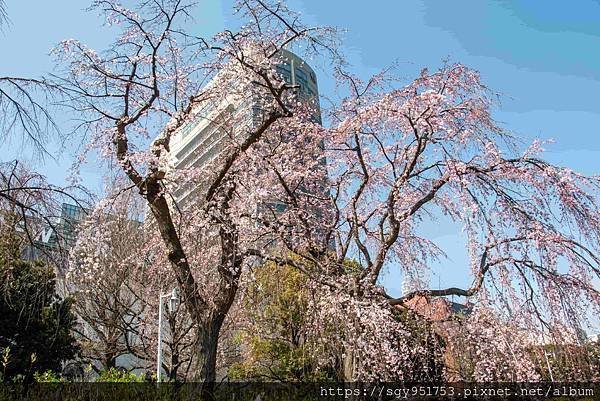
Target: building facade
{"x":55,"y":237}
{"x":203,"y":139}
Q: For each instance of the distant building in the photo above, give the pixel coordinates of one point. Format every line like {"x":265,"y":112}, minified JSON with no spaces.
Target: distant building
{"x":442,"y":314}
{"x":56,"y":236}
{"x":437,"y":309}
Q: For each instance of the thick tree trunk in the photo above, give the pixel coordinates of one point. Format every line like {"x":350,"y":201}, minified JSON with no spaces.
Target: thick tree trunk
{"x":349,"y":367}
{"x":209,"y":322}
{"x":208,"y":344}
{"x":208,"y":334}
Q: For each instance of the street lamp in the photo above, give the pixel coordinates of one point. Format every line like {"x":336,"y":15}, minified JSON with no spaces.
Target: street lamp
{"x":173,"y":300}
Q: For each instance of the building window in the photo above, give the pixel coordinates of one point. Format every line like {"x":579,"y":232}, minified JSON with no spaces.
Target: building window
{"x":285,"y":71}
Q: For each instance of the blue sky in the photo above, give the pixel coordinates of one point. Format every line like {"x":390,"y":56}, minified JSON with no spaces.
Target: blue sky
{"x":544,"y":57}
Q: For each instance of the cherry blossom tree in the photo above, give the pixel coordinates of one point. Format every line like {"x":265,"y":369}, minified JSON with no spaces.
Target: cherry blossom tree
{"x":395,"y":156}
{"x":102,"y":271}
{"x":153,"y":75}
{"x":492,"y":350}
{"x":400,"y":156}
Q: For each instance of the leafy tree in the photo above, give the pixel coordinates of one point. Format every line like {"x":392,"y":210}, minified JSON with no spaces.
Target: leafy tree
{"x":48,"y":377}
{"x":272,"y":338}
{"x":35,"y":324}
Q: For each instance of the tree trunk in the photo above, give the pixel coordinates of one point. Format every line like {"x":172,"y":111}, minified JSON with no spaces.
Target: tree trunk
{"x":208,"y":322}
{"x":109,"y":361}
{"x":208,"y":343}
{"x":348,"y":366}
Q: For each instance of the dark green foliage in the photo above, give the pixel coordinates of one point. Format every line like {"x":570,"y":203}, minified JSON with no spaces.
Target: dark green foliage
{"x":35,"y":324}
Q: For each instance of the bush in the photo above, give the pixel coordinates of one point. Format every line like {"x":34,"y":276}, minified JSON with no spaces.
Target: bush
{"x":113,"y":375}
{"x":48,"y":377}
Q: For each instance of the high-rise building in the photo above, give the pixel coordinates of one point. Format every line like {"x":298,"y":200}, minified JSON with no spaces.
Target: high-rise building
{"x":199,"y":142}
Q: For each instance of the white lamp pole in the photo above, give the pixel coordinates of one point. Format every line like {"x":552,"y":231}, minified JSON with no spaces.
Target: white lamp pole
{"x":172,"y":305}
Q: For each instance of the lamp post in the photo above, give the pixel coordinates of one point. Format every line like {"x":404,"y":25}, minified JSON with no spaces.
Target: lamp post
{"x":173,"y":299}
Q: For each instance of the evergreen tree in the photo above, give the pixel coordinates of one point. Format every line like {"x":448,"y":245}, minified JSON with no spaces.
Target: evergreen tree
{"x":35,"y":323}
